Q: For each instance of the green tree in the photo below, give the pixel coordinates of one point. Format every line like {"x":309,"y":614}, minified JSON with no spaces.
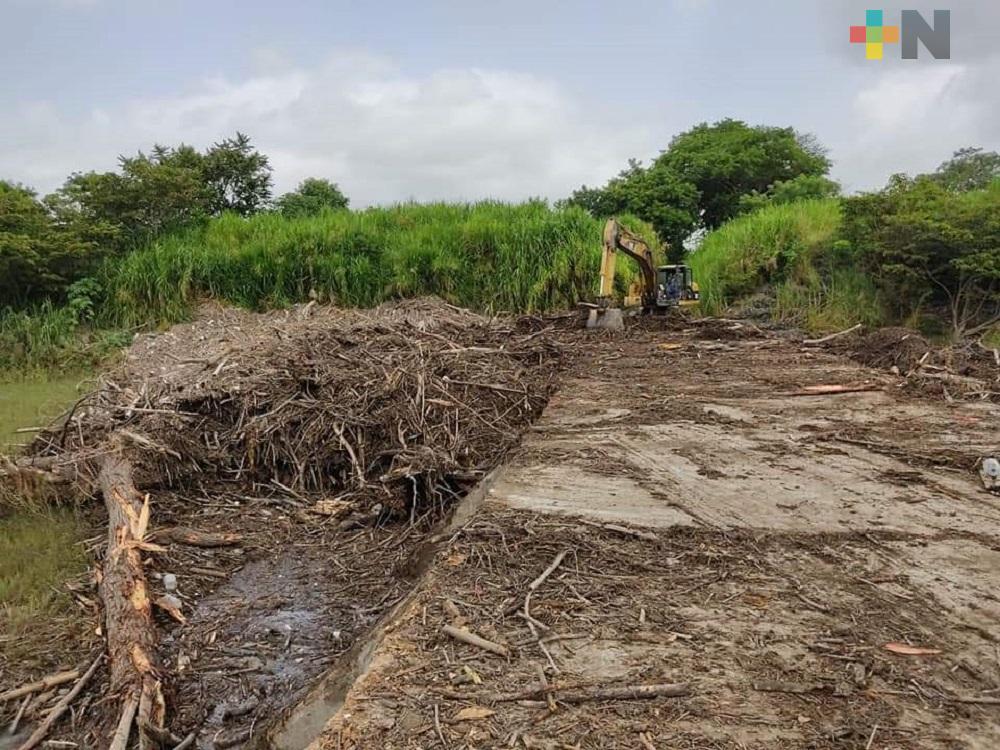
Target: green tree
{"x":969,"y":169}
{"x":38,"y":259}
{"x":237,"y":176}
{"x":312,"y":196}
{"x":730,"y":159}
{"x":930,"y":246}
{"x":656,"y":195}
{"x":162,"y":191}
{"x":704,"y":176}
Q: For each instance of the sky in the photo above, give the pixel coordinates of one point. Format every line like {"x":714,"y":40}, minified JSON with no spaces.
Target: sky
{"x":465,"y":100}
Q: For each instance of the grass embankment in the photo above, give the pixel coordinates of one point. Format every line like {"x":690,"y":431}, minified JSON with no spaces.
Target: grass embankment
{"x":39,"y":552}
{"x":487,"y":256}
{"x":790,"y":256}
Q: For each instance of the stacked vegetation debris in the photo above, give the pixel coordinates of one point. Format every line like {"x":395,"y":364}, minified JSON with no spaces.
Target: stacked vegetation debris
{"x":401,"y":407}
{"x":886,"y":348}
{"x":405,"y":400}
{"x":967,"y":370}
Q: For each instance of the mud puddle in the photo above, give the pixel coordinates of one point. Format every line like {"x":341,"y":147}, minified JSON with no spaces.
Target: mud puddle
{"x":306,"y":721}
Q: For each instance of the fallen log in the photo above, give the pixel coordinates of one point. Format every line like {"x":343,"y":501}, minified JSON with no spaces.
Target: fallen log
{"x":195,"y":538}
{"x":131,"y":631}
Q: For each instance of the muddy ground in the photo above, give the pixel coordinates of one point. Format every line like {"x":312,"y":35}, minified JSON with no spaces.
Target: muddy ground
{"x":784,"y":542}
{"x":721,"y":531}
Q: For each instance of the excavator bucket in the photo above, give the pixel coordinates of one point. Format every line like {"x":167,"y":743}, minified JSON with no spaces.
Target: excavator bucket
{"x":608,"y":319}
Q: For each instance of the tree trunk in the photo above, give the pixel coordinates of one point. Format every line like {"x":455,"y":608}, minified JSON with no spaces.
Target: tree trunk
{"x":131,"y":632}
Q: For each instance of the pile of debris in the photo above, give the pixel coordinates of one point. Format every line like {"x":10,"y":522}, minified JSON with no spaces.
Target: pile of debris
{"x":398,"y":409}
{"x":968,"y":370}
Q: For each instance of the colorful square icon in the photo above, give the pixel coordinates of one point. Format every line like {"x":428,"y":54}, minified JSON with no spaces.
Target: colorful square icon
{"x":874,"y":34}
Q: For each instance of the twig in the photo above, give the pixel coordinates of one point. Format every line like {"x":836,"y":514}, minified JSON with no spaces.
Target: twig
{"x":984,"y":701}
{"x":832,"y":336}
{"x":832,"y":390}
{"x":461,"y":634}
{"x":45,"y":683}
{"x":12,"y":729}
{"x":592,"y":693}
{"x":60,"y":708}
{"x":872,"y":738}
{"x":645,"y":535}
{"x":437,"y":725}
{"x":124,"y":730}
{"x":548,"y":571}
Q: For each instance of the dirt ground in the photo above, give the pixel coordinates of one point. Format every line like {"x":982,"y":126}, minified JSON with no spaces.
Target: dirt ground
{"x":719,"y":529}
{"x":772,"y":553}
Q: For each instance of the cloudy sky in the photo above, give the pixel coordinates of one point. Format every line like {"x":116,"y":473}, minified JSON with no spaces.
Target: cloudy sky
{"x":466,"y":99}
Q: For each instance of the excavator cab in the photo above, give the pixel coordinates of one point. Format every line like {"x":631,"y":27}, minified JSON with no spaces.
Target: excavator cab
{"x":675,"y":286}
{"x":657,"y":289}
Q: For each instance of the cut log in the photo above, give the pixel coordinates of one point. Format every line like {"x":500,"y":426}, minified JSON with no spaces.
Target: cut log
{"x":128,"y":614}
{"x":195,"y":538}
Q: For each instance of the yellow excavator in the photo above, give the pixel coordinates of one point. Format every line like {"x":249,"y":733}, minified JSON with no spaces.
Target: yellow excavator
{"x":658,"y":289}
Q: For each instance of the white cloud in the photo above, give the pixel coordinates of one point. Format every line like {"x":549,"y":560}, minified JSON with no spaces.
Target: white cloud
{"x":384,"y":135}
{"x":910,"y":119}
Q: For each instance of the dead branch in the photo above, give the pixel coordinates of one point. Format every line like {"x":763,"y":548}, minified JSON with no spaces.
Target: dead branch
{"x":60,"y":708}
{"x":196,"y":538}
{"x":124,"y":730}
{"x":831,"y":390}
{"x":461,"y":634}
{"x":832,"y":336}
{"x":45,"y":683}
{"x":582,"y":694}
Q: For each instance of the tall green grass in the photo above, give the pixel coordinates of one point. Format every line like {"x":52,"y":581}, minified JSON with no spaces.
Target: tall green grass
{"x":488,"y":256}
{"x":48,"y":338}
{"x":790,"y":252}
{"x":38,"y":553}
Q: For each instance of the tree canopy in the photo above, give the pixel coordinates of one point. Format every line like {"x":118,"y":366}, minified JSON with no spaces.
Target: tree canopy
{"x":164,"y":190}
{"x":38,"y":258}
{"x":312,"y":196}
{"x":969,"y":169}
{"x":703,"y":176}
{"x":932,"y":247}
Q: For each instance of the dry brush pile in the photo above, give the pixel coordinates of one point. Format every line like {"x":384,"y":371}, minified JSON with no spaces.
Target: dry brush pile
{"x":392,"y":411}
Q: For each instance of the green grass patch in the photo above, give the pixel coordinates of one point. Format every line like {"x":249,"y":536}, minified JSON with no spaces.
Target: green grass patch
{"x":39,"y":552}
{"x":488,"y":256}
{"x":48,"y":338}
{"x":791,"y":251}
{"x":33,"y":402}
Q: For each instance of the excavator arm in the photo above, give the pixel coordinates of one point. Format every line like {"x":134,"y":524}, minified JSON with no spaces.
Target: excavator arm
{"x":617,"y":237}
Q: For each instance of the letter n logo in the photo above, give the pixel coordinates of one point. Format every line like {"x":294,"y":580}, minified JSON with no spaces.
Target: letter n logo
{"x":936,"y":39}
